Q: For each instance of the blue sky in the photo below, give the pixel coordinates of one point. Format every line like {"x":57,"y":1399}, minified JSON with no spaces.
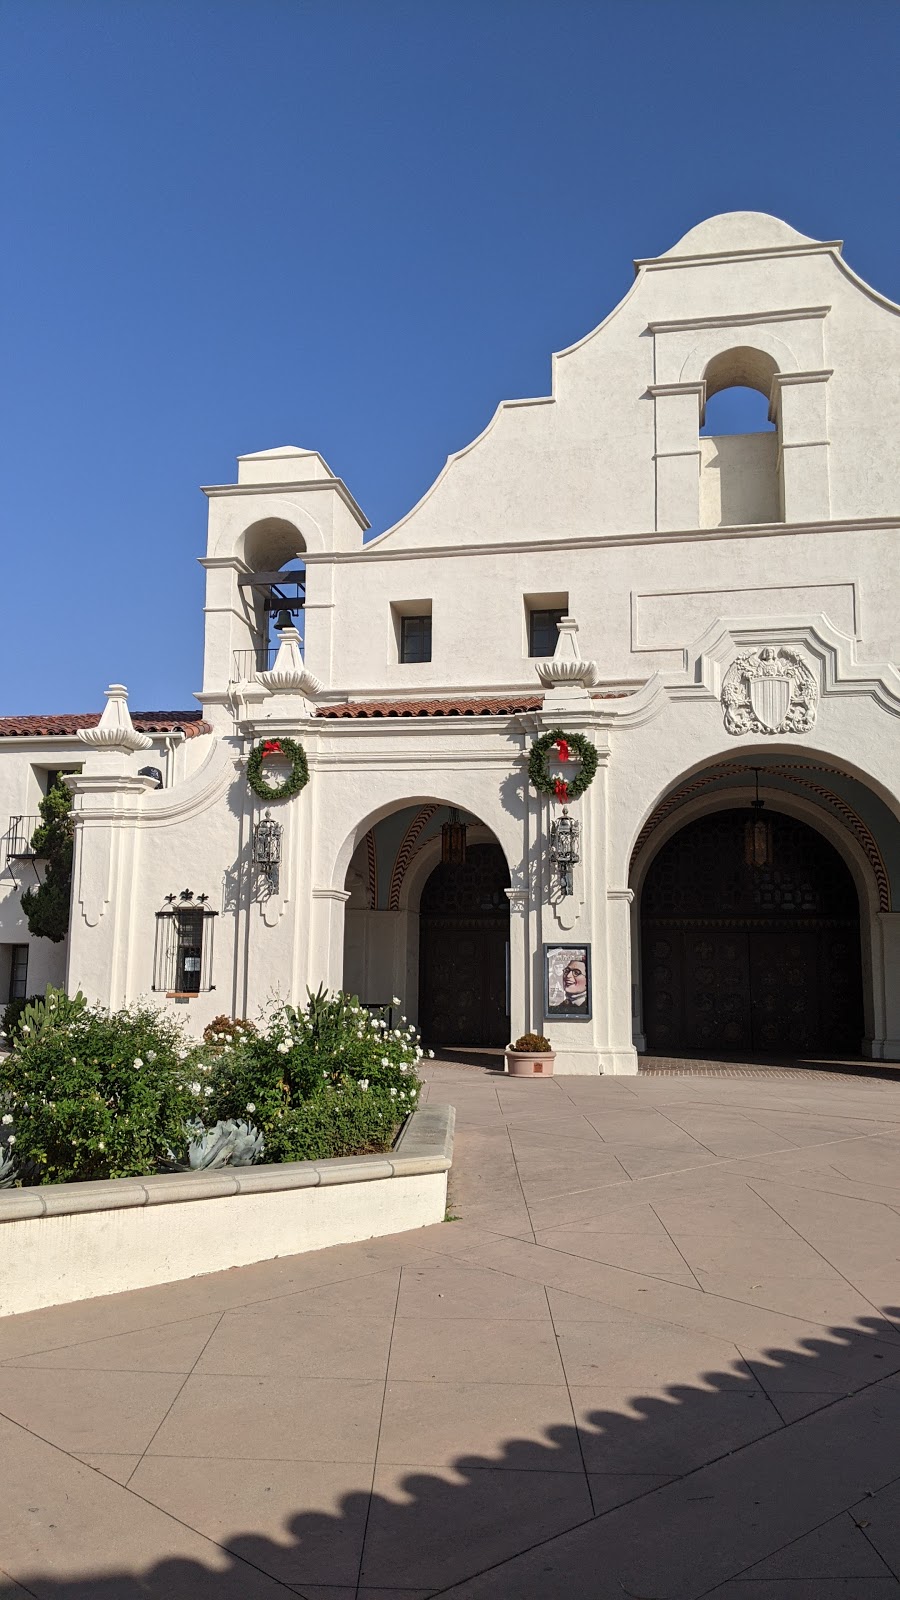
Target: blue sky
{"x":354,"y":225}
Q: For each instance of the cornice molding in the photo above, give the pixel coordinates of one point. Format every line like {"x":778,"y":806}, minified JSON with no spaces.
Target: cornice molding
{"x":217,"y":491}
{"x":737,"y":319}
{"x":612,"y":541}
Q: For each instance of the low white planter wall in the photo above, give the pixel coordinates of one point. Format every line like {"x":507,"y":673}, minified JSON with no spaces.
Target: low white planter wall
{"x":73,"y":1241}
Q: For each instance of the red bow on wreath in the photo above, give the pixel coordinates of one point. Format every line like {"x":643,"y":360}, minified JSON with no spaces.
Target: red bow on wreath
{"x":271,"y":748}
{"x":561,"y":789}
{"x":562,"y":746}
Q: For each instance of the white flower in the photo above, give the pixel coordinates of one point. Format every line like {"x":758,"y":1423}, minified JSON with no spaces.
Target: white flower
{"x":393,"y":1094}
{"x":396,"y":1000}
{"x":364,"y":1083}
{"x":137,"y":1062}
{"x":250,"y":1106}
{"x":151,"y":1055}
{"x":195,"y":1088}
{"x":207,"y":1091}
{"x":385,"y":1061}
{"x":11,"y":1139}
{"x":101,"y":1145}
{"x":24,"y":1028}
{"x":404,"y":1069}
{"x":182,"y":1055}
{"x":7,"y":1119}
{"x":402,"y":1019}
{"x":430,"y":1054}
{"x":283,"y":1048}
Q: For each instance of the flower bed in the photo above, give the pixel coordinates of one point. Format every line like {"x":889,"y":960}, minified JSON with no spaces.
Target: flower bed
{"x":88,"y":1095}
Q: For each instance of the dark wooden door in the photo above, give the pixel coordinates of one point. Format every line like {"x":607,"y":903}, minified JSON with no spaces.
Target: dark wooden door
{"x":463,"y":951}
{"x":737,"y":959}
{"x":463,"y":986}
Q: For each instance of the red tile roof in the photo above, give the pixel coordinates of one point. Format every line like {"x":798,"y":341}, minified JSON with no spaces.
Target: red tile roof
{"x":190,"y":723}
{"x":484,"y":706}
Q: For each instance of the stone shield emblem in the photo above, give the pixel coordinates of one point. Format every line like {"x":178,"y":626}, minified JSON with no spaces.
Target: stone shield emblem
{"x":769,"y":691}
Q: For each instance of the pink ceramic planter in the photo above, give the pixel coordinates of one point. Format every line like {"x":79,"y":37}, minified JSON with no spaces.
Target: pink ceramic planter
{"x":530,"y":1064}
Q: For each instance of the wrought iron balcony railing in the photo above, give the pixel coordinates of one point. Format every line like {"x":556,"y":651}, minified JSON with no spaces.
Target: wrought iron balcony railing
{"x":247,"y":663}
{"x":18,"y":836}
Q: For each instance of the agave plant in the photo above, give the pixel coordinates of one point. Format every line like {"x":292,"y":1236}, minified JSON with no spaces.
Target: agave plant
{"x":228,"y":1144}
{"x":9,"y":1170}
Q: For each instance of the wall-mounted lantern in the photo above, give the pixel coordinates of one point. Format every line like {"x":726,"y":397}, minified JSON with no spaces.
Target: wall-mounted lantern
{"x":758,"y":847}
{"x":267,"y":848}
{"x":453,"y":840}
{"x":565,"y":849}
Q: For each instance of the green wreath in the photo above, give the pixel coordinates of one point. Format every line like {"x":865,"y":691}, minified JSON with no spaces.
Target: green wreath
{"x":296,"y":780}
{"x":570,"y":746}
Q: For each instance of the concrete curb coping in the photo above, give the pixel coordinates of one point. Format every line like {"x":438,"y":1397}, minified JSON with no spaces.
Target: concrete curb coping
{"x":425,"y":1144}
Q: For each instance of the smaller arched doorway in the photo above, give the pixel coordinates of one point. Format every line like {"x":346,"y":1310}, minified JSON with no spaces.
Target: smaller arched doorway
{"x":464,"y":951}
{"x":743,"y":958}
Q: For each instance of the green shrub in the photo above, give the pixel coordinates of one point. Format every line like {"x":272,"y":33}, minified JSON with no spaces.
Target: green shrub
{"x":326,"y":1080}
{"x":533,"y":1044}
{"x":14,"y":1011}
{"x":100,"y":1095}
{"x":53,"y":840}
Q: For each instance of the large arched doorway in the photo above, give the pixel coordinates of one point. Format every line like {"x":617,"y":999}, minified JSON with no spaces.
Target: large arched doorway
{"x":742,"y":958}
{"x":464,"y":951}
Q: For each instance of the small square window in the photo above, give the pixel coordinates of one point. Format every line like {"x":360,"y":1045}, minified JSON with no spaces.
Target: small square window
{"x":415,"y":639}
{"x":543,"y":631}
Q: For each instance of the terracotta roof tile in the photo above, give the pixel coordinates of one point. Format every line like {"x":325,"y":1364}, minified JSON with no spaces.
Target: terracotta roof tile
{"x":190,"y":723}
{"x":483,"y":706}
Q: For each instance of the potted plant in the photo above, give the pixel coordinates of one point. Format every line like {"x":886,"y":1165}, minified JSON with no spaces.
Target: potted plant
{"x":530,"y":1056}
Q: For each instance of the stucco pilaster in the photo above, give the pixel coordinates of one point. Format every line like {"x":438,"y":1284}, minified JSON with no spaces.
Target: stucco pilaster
{"x":678,"y":414}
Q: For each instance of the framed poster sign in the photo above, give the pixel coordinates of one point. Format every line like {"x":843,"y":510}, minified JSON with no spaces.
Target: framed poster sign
{"x":567,"y":980}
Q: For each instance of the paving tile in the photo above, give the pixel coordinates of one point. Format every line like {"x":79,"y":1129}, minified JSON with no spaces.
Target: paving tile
{"x":807,"y":1589}
{"x":839,"y":1549}
{"x":474,"y":1350}
{"x":70,"y":1532}
{"x":434,"y":1529}
{"x":274,"y":1418}
{"x":878,"y":1516}
{"x":526,"y":1426}
{"x":172,"y":1348}
{"x":273,"y":1338}
{"x":298,"y":1521}
{"x":611,"y":1489}
{"x":117,"y":1467}
{"x":657,"y":1256}
{"x":675,"y":1433}
{"x":631,"y":1350}
{"x":452,"y":1290}
{"x":89,"y":1411}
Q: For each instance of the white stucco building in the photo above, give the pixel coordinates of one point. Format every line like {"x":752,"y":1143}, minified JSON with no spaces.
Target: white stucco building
{"x":737,"y":603}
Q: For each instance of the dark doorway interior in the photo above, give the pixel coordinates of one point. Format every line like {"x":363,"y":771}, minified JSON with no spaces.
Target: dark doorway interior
{"x":463,"y":951}
{"x":737,"y":958}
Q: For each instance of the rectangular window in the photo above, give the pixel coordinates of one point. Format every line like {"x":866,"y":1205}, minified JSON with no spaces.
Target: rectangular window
{"x":18,"y":972}
{"x":543,"y":630}
{"x":415,"y":639}
{"x":183,"y":963}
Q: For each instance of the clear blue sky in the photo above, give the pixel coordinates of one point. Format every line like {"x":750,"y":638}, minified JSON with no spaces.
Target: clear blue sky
{"x":354,"y":225}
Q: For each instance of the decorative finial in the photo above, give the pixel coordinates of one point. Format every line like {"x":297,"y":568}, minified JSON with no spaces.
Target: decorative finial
{"x":115,"y":730}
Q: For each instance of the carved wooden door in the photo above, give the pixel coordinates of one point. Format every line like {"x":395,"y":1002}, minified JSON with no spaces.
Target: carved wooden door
{"x":463,"y":940}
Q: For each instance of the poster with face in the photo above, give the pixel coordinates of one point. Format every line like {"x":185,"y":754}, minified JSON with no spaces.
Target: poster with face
{"x":567,"y":980}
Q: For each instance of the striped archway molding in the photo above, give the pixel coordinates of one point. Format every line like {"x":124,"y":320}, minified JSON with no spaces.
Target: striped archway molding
{"x":849,"y":819}
{"x":406,"y":852}
{"x":372,"y":870}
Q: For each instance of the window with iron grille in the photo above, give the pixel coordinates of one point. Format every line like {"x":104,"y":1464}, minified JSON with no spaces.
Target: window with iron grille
{"x":18,"y":972}
{"x":415,"y":638}
{"x":184,"y":949}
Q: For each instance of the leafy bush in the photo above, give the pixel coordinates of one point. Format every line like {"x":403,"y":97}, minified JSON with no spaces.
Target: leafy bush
{"x":533,"y":1044}
{"x":227,"y":1030}
{"x":99,"y":1095}
{"x":53,"y":840}
{"x":326,"y":1080}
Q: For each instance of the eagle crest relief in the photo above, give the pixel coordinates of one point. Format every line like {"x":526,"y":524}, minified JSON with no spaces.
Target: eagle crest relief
{"x":769,"y":691}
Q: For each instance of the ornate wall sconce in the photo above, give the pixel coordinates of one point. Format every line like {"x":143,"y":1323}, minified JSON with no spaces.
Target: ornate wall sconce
{"x":565,"y":849}
{"x":267,"y":848}
{"x":453,"y":840}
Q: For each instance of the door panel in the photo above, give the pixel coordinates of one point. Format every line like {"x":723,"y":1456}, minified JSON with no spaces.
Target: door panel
{"x":463,"y":986}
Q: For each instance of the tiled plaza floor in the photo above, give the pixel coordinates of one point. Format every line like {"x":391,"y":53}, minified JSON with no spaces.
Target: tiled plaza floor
{"x":658,"y":1356}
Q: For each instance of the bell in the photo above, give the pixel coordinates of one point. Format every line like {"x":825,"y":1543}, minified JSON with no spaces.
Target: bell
{"x":283,"y":620}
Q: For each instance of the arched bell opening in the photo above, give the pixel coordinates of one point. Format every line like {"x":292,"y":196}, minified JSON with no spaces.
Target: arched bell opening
{"x":750,"y":941}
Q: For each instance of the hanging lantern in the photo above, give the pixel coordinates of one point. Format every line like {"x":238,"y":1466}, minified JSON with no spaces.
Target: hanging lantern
{"x":758,"y":848}
{"x":453,"y":840}
{"x":267,"y":847}
{"x":565,"y":849}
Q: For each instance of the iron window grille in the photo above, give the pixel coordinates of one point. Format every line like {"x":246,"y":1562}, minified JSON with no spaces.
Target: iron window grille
{"x":183,"y":961}
{"x":415,"y":639}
